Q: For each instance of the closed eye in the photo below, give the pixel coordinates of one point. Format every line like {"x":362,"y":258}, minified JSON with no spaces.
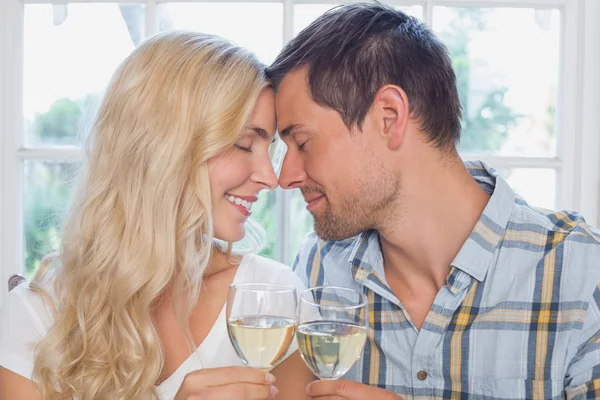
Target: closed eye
{"x":246,"y":149}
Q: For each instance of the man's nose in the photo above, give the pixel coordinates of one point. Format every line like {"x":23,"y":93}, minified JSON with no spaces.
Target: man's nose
{"x":292,"y":174}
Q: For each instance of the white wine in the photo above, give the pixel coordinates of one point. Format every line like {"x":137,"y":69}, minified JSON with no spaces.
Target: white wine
{"x":261,"y":341}
{"x":330,"y":348}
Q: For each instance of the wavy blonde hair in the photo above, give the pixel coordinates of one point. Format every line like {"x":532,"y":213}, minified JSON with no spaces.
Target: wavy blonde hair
{"x":141,"y":216}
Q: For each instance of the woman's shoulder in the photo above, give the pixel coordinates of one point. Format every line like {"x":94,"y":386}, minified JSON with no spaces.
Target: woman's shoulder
{"x":264,"y":262}
{"x":25,"y":317}
{"x":259,"y":266}
{"x":30,"y":304}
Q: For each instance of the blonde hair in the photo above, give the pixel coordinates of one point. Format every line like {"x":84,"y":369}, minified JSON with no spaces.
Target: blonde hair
{"x":141,"y":216}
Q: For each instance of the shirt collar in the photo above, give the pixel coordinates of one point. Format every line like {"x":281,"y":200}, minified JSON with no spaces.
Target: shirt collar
{"x":476,"y":254}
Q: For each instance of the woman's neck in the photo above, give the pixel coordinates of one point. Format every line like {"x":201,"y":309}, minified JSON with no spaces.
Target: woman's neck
{"x":220,"y":261}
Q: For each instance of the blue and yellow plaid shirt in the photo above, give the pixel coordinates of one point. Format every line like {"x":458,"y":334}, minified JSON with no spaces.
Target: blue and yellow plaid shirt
{"x":519,"y":317}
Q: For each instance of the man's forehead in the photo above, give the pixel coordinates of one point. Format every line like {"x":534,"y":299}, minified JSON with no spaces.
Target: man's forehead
{"x":291,"y":100}
{"x":293,"y":85}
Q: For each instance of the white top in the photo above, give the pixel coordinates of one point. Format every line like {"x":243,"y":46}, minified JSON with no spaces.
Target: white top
{"x":25,"y":319}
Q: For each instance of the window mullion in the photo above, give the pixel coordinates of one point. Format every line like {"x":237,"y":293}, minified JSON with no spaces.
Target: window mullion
{"x":11,"y":137}
{"x":502,"y":3}
{"x":67,"y":154}
{"x":284,"y":197}
{"x":428,"y":13}
{"x":590,"y":117}
{"x":288,"y":20}
{"x":515,"y":162}
{"x":568,"y":105}
{"x":151,"y":18}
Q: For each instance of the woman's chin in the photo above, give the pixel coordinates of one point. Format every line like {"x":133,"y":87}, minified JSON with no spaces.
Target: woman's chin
{"x":232,"y":236}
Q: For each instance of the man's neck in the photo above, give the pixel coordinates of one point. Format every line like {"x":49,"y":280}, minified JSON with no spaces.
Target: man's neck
{"x":431,"y":226}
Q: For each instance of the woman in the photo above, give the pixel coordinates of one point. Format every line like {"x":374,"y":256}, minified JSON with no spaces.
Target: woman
{"x":133,"y":306}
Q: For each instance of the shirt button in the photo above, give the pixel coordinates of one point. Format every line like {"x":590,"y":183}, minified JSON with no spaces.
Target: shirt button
{"x":421,"y":375}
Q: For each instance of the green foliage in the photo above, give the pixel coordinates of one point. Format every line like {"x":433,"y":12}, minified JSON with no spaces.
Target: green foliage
{"x":487,"y":123}
{"x":47,"y":195}
{"x":263,"y":212}
{"x":48,"y":184}
{"x":60,"y":122}
{"x":302,"y":223}
{"x":488,"y":129}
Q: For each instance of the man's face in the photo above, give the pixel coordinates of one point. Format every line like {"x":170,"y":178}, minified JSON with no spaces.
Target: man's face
{"x":341,"y":174}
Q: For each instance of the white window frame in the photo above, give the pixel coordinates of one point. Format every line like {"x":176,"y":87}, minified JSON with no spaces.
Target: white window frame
{"x":577,"y":161}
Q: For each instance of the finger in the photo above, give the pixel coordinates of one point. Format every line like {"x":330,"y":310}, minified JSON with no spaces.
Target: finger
{"x":326,"y":389}
{"x":210,"y":377}
{"x":245,"y":391}
{"x":328,"y":398}
{"x":347,"y":390}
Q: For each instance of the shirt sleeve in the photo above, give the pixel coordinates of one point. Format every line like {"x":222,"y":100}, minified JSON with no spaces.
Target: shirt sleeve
{"x":20,"y":331}
{"x":583,"y":373}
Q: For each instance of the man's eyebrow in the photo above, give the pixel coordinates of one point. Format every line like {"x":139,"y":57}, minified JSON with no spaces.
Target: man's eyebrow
{"x":289,"y":130}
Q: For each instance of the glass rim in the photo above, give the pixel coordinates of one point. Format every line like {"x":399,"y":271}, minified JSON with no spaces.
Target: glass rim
{"x":266,"y":287}
{"x":362,"y":303}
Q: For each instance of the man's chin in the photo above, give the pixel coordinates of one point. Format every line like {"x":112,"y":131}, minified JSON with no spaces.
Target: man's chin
{"x":330,"y":231}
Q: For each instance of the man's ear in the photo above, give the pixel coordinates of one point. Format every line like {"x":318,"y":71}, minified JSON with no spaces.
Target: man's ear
{"x":391,"y":110}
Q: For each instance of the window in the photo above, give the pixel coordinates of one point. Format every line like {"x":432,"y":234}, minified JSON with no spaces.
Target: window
{"x":527,"y":77}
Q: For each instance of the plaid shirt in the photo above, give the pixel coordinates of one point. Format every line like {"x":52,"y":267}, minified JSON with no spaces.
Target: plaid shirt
{"x":519,"y":317}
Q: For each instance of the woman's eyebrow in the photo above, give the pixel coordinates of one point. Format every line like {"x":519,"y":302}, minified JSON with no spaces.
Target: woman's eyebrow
{"x":260,"y":132}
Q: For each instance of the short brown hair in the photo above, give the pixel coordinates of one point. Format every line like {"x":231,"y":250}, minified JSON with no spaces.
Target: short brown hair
{"x":353,"y":50}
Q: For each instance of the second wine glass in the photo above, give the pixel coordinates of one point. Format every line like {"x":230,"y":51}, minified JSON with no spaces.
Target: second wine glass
{"x":332,"y":329}
{"x":261,"y":322}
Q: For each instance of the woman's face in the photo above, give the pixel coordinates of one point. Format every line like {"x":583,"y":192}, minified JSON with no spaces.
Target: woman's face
{"x":238,"y":175}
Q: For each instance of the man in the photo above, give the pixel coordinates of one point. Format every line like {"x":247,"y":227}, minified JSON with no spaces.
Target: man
{"x":472,"y":293}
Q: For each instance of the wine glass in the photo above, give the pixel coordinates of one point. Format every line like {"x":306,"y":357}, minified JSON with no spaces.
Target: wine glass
{"x":332,"y":329}
{"x":261,"y":322}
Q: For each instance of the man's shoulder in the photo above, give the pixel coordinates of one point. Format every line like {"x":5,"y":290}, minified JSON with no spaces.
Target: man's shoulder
{"x":555,"y":245}
{"x":313,"y":246}
{"x":317,"y":257}
{"x":558,"y":226}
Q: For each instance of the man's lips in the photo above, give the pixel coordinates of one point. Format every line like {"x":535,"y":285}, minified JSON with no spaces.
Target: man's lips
{"x":313,"y":201}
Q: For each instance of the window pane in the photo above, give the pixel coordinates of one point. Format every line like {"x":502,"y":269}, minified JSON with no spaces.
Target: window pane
{"x":256,"y":26}
{"x":301,"y":222}
{"x":70,"y":52}
{"x":46,"y":197}
{"x":536,"y":185}
{"x":415,"y":11}
{"x":304,"y":14}
{"x":506,"y":61}
{"x":263,"y":212}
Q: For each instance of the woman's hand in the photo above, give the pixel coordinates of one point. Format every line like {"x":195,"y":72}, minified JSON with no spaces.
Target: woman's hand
{"x":13,"y":386}
{"x":226,"y":383}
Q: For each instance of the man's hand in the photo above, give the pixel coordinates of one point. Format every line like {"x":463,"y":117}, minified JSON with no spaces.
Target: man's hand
{"x":347,"y":390}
